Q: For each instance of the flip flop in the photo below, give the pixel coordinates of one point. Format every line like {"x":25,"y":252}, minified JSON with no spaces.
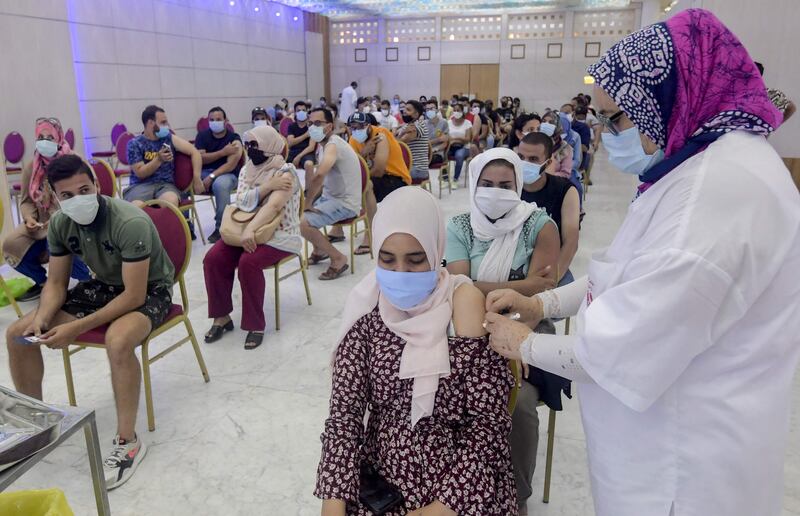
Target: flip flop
{"x":332,"y":274}
{"x":316,"y":258}
{"x":216,"y":331}
{"x":363,"y":249}
{"x":333,"y":239}
{"x":253,"y":340}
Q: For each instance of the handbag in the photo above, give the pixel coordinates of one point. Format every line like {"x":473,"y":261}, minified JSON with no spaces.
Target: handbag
{"x":235,"y":221}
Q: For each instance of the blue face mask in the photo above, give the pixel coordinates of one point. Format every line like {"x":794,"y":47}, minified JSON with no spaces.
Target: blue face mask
{"x":46,"y":148}
{"x":216,"y":126}
{"x":547,"y":128}
{"x":531,"y":172}
{"x":431,"y":114}
{"x":163,"y":131}
{"x":360,"y":135}
{"x":625,"y":152}
{"x":316,"y":133}
{"x":405,"y":290}
{"x":301,"y":116}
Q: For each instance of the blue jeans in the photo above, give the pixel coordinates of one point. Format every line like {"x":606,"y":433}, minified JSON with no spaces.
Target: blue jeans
{"x":30,"y":266}
{"x":222,"y":188}
{"x":460,"y":154}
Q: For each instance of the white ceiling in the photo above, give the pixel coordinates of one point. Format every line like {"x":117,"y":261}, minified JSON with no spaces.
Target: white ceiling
{"x":408,"y":8}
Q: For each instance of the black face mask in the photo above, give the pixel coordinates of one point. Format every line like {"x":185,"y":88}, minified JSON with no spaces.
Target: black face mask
{"x":256,"y":155}
{"x":407,"y":119}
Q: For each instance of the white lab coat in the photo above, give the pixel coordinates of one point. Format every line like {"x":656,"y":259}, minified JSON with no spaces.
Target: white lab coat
{"x":348,"y":107}
{"x":691,"y":331}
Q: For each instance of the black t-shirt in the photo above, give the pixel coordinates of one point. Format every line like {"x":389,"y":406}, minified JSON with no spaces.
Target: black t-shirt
{"x":206,"y":141}
{"x":506,"y":114}
{"x":551,"y":197}
{"x":297,"y":131}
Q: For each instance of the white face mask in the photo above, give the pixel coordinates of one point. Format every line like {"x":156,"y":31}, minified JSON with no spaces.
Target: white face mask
{"x":81,"y":208}
{"x":47,"y":148}
{"x":495,"y":202}
{"x":365,"y":109}
{"x":457,"y":114}
{"x":385,"y":112}
{"x":476,"y":111}
{"x":259,"y":123}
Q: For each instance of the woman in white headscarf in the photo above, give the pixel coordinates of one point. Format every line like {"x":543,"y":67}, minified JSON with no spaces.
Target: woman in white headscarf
{"x":413,"y":353}
{"x":505,"y":242}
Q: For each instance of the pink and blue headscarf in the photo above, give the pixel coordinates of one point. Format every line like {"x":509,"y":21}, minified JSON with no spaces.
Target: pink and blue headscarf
{"x":684,"y":83}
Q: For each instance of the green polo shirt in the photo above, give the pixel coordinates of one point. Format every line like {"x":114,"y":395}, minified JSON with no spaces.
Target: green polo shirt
{"x":121,"y":232}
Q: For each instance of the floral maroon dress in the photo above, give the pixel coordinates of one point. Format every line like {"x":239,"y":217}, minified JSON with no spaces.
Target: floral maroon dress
{"x":458,"y":456}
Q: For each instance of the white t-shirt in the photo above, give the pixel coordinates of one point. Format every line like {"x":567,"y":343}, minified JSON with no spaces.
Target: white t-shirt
{"x":691,"y":331}
{"x":387,"y":122}
{"x":458,"y":131}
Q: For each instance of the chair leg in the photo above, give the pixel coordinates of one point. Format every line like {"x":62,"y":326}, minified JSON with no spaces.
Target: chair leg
{"x":196,"y":346}
{"x":196,"y":218}
{"x":68,"y":374}
{"x":352,"y":248}
{"x":548,"y":470}
{"x":303,"y":268}
{"x":10,"y":297}
{"x":368,"y":230}
{"x":566,"y":326}
{"x":148,"y":388}
{"x":277,"y":298}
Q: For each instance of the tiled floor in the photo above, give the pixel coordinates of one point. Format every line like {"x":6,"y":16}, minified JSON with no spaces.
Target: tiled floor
{"x":247,"y":443}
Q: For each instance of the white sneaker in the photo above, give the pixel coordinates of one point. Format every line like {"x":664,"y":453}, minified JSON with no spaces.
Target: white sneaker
{"x":454,"y":186}
{"x":122,"y":461}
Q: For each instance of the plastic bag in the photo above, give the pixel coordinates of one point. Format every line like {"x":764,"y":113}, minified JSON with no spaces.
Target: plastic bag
{"x":17,"y":287}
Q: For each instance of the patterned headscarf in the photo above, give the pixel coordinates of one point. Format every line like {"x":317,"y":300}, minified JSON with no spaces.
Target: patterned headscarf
{"x":684,"y":83}
{"x":37,"y":188}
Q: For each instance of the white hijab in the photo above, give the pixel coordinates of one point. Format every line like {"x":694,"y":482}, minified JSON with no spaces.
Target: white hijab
{"x":503,"y":233}
{"x":426,"y":355}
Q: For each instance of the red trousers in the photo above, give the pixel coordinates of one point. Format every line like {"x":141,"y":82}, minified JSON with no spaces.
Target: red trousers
{"x":218,"y":267}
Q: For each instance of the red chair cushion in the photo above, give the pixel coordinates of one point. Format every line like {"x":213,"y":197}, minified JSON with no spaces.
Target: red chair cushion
{"x":103,"y":154}
{"x":13,"y":169}
{"x":277,"y":257}
{"x":419,"y":180}
{"x":186,"y":202}
{"x":98,"y":335}
{"x":122,"y":172}
{"x":17,"y":187}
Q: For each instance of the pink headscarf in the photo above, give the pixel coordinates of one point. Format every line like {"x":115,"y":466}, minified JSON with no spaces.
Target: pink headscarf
{"x":36,"y":187}
{"x":426,"y":355}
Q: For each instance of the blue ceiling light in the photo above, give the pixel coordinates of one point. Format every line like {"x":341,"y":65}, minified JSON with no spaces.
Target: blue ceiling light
{"x":387,"y":8}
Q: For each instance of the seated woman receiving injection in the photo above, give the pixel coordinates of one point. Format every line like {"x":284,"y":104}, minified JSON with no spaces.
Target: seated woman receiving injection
{"x":412,"y":349}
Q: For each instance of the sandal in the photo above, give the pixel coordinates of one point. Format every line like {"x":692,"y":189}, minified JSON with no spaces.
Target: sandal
{"x":332,"y":274}
{"x":333,"y":239}
{"x":316,"y":258}
{"x":216,"y":331}
{"x":253,"y":340}
{"x":363,"y":249}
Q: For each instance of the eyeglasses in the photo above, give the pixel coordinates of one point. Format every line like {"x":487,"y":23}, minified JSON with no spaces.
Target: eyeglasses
{"x":49,"y":120}
{"x":357,"y":127}
{"x":609,"y":122}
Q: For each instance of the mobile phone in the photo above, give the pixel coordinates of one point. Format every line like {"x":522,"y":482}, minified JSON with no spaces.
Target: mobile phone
{"x":167,"y":146}
{"x":27,"y":340}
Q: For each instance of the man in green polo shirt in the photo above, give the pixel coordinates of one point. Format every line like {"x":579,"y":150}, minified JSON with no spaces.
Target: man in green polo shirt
{"x":131,"y":291}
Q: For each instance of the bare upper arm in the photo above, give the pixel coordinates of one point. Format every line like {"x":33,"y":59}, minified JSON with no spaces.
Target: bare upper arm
{"x":570,"y":215}
{"x":183,"y":146}
{"x":328,"y":160}
{"x":459,"y":267}
{"x":135,"y":278}
{"x":469,"y":309}
{"x":546,"y":250}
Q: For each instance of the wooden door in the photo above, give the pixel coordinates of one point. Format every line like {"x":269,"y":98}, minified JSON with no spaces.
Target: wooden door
{"x":484,"y":81}
{"x":454,"y":80}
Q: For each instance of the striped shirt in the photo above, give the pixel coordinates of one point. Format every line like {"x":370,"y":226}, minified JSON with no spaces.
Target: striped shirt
{"x":419,"y":149}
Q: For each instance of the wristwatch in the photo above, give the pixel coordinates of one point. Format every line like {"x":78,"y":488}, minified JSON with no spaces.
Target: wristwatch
{"x":212,"y":176}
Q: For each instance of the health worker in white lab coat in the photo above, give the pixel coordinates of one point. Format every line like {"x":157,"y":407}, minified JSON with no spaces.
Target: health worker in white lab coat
{"x":349,"y":98}
{"x":689,"y":322}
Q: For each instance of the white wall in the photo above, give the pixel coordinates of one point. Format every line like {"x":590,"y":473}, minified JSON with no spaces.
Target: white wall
{"x":93,"y":63}
{"x":36,"y":60}
{"x":537,"y":80}
{"x":768,"y":29}
{"x":183,"y":55}
{"x":315,"y":63}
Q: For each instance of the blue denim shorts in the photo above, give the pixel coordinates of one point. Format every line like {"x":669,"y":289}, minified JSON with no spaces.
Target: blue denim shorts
{"x":328,"y":211}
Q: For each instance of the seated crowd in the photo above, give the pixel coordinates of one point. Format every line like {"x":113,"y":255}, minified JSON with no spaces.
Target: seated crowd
{"x":519,"y":231}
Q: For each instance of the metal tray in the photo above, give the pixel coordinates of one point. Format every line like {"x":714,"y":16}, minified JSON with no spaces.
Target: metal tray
{"x":26,"y":426}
